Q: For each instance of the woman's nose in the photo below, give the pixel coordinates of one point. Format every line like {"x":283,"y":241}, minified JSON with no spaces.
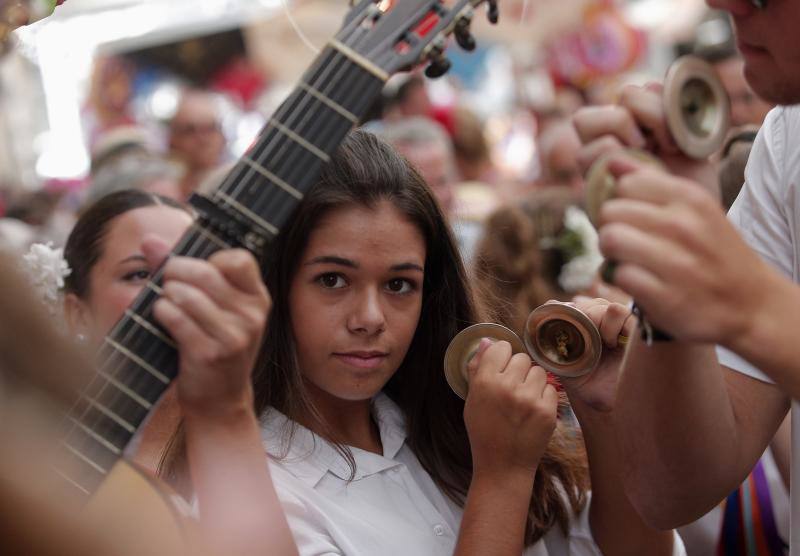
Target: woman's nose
{"x":367,"y":316}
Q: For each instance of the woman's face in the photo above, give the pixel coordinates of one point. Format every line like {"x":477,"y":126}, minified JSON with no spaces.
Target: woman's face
{"x":355,"y":300}
{"x":122,"y":270}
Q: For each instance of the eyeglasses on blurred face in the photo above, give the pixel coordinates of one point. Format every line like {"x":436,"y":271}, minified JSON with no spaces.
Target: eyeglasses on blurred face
{"x":196,"y":128}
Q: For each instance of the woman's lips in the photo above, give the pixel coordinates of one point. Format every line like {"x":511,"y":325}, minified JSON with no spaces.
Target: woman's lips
{"x":362,"y":359}
{"x":749,"y":51}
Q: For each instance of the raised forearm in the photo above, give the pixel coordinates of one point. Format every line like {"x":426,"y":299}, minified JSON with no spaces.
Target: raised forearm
{"x":769,"y":340}
{"x":617,"y":528}
{"x":495,"y":515}
{"x":677,"y":432}
{"x":239,"y":510}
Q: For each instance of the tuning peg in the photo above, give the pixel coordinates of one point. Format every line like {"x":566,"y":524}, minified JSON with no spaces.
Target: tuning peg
{"x":463,"y":35}
{"x":438,"y":67}
{"x":494,"y":11}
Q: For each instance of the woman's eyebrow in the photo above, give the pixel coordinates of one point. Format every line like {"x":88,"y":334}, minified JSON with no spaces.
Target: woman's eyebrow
{"x":138,"y":257}
{"x":341,"y":261}
{"x":407,"y":266}
{"x":330,"y":259}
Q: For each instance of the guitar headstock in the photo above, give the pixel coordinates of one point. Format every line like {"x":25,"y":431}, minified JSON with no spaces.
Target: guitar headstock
{"x":395,"y":35}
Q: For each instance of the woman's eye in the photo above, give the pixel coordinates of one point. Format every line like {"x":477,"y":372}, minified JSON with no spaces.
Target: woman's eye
{"x":137,"y":275}
{"x":332,"y":281}
{"x":399,"y":285}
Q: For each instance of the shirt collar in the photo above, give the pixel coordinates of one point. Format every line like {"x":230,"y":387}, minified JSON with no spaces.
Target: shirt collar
{"x":309,"y":457}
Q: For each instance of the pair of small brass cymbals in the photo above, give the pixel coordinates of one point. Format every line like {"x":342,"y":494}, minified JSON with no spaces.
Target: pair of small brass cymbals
{"x":559,"y":337}
{"x":697,"y":110}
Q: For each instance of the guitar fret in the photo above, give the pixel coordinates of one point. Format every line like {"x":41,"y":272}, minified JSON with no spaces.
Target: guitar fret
{"x":150,"y":328}
{"x":111,"y":415}
{"x":360,"y":60}
{"x":102,"y":441}
{"x":138,"y":360}
{"x":246,"y":212}
{"x":69,"y":480}
{"x":307,"y":145}
{"x":329,"y":102}
{"x":155,"y":287}
{"x":259,"y":194}
{"x":127,"y":391}
{"x":84,"y":458}
{"x":272,"y":177}
{"x":212,"y":237}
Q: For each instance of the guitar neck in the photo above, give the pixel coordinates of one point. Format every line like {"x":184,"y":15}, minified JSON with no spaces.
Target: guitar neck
{"x":138,"y":359}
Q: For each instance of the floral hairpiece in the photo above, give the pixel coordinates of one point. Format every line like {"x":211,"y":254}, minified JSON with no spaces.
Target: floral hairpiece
{"x":578,"y":242}
{"x":47,"y":268}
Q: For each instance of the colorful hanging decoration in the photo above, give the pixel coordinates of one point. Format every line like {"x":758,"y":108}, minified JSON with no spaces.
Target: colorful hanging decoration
{"x":604,"y":45}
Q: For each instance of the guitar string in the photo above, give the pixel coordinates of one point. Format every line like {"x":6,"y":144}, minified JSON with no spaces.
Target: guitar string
{"x":353,"y":91}
{"x":337,"y":59}
{"x":282,"y":143}
{"x":117,"y":395}
{"x":269,"y":146}
{"x":302,"y":36}
{"x":132,"y":330}
{"x":345,"y":36}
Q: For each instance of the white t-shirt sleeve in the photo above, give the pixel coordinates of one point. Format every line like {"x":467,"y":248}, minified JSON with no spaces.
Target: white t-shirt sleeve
{"x":760,"y":213}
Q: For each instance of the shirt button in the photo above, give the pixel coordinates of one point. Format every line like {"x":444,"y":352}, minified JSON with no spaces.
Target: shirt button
{"x":438,"y":530}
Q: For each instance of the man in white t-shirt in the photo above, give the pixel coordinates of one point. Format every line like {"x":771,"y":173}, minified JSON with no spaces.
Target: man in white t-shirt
{"x":692,"y":423}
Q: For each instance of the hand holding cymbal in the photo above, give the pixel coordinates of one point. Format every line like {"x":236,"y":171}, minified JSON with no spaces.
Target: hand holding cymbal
{"x":465,"y":345}
{"x":694,"y":117}
{"x":559,"y":337}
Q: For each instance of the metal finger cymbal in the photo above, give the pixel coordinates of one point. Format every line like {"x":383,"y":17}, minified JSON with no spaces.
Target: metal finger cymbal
{"x":600,"y":186}
{"x":465,"y":345}
{"x":696,"y":106}
{"x":563,"y":340}
{"x":601,"y":183}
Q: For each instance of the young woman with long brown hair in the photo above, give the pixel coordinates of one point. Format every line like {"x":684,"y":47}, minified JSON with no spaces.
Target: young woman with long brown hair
{"x":370,"y":450}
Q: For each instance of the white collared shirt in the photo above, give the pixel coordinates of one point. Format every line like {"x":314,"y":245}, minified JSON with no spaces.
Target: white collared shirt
{"x":767,"y":214}
{"x":391,"y":506}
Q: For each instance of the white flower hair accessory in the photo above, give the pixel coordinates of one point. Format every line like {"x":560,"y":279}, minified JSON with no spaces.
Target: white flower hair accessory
{"x":580,"y":246}
{"x":47,"y":268}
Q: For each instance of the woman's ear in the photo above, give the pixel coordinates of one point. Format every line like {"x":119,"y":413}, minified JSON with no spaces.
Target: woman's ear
{"x":77,"y":315}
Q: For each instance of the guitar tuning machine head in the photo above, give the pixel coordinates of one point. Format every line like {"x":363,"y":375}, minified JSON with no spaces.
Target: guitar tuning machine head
{"x":439,"y":63}
{"x":493,"y":11}
{"x":463,"y":33}
{"x":438,"y":67}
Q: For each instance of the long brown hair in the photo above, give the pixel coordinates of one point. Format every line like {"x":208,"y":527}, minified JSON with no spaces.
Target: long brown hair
{"x":516,"y":262}
{"x":364,"y":172}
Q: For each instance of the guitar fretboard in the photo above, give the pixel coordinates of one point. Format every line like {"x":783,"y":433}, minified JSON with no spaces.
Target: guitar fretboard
{"x":138,"y":359}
